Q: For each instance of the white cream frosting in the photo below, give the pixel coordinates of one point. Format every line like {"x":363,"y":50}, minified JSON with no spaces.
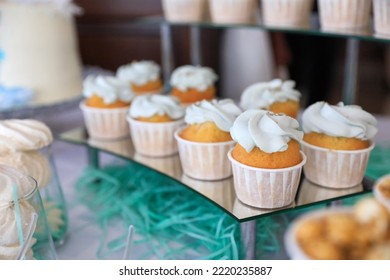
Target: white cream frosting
{"x":263,"y":95}
{"x":223,"y":113}
{"x":31,"y":163}
{"x":149,"y":105}
{"x":139,"y":72}
{"x":188,"y":76}
{"x":109,"y":88}
{"x":23,"y":135}
{"x":268,"y":131}
{"x":339,"y":120}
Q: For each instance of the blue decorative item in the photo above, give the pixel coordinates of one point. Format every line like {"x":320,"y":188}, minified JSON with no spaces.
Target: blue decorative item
{"x":2,"y":55}
{"x":14,"y":97}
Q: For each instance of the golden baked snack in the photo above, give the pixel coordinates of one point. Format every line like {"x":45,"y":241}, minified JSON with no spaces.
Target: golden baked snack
{"x":156,"y":118}
{"x":193,"y":95}
{"x":335,"y":143}
{"x":207,"y":132}
{"x":359,"y":232}
{"x":151,"y":86}
{"x":290,"y":108}
{"x":98,"y":102}
{"x":260,"y":159}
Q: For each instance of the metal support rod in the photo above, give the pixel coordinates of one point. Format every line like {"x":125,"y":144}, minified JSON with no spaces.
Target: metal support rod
{"x":248,"y":237}
{"x":166,"y":53}
{"x":93,"y":157}
{"x":196,"y":45}
{"x":351,"y":71}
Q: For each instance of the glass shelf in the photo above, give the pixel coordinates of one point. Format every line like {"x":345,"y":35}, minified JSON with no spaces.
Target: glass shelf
{"x":221,"y":193}
{"x":32,"y":110}
{"x":312,"y":29}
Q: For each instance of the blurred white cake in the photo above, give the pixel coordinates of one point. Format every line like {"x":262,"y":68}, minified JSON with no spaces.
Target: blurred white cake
{"x":39,"y":42}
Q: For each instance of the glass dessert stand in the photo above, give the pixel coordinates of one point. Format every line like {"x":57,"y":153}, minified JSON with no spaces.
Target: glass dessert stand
{"x":221,"y":193}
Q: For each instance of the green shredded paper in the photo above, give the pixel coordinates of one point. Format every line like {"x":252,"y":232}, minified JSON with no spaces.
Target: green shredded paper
{"x":379,"y":162}
{"x":171,"y":220}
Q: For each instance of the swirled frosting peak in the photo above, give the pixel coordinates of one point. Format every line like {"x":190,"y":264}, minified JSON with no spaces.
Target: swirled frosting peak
{"x":268,"y":131}
{"x":139,"y":72}
{"x":188,"y":76}
{"x":149,"y":105}
{"x":110,"y":89}
{"x":262,"y":95}
{"x":23,"y":135}
{"x":339,"y":120}
{"x":223,"y":113}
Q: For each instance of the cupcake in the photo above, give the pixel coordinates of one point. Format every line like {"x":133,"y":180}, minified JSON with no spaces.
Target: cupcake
{"x":184,"y":10}
{"x":275,"y":96}
{"x":337,"y":143}
{"x":153,"y":119}
{"x":233,"y":11}
{"x":344,"y":14}
{"x":266,"y":159}
{"x":287,"y":13}
{"x":105,"y":107}
{"x":205,"y":141}
{"x":382,"y":17}
{"x":193,"y":83}
{"x":143,"y":76}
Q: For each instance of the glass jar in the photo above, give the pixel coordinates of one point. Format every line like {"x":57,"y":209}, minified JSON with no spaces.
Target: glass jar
{"x":24,"y":230}
{"x":39,"y":164}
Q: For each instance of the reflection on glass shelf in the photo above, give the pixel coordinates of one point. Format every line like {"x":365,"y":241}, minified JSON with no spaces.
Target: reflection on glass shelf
{"x":220,"y":192}
{"x":312,"y":28}
{"x":309,"y":192}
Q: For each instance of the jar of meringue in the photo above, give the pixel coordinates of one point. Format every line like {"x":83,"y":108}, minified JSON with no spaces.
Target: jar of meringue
{"x":24,"y":230}
{"x":26,"y":146}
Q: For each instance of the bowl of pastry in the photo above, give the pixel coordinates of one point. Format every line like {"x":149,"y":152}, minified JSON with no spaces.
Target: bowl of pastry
{"x":358,"y":232}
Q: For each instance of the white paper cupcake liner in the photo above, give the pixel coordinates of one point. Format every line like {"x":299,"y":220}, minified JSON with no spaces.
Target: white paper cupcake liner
{"x":266,"y":188}
{"x":204,"y":161}
{"x":105,"y":124}
{"x":184,"y":10}
{"x":333,"y":168}
{"x":382,"y":17}
{"x":384,"y":200}
{"x":289,"y":13}
{"x":344,"y":14}
{"x":233,"y":11}
{"x":154,"y":139}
